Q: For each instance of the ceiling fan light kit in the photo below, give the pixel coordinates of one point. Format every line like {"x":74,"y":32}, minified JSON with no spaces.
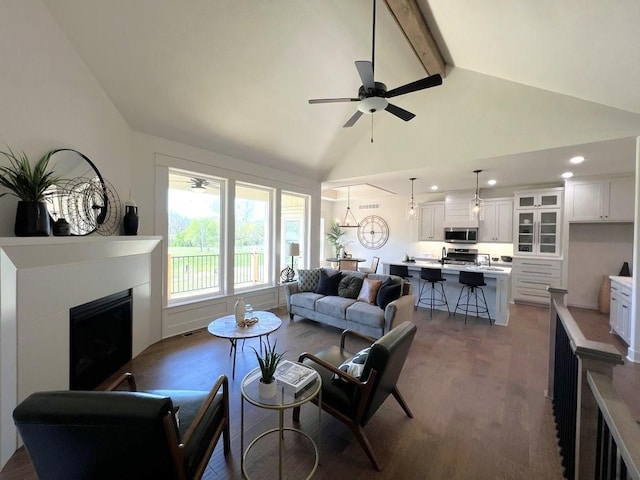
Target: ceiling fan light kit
{"x":372,"y":95}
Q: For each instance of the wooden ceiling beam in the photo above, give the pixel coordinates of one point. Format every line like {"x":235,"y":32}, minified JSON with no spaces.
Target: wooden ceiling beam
{"x":414,"y":26}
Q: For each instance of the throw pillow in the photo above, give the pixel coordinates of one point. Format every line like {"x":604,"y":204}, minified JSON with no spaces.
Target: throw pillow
{"x":308,"y":280}
{"x":355,"y":365}
{"x":328,"y":285}
{"x":369,"y":290}
{"x":389,"y":291}
{"x":350,"y":286}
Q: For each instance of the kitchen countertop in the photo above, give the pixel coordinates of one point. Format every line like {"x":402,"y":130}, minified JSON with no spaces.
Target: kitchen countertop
{"x":447,"y":267}
{"x":628,"y":281}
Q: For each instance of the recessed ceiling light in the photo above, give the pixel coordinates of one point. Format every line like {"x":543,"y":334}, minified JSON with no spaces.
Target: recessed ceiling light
{"x":577,"y":160}
{"x":491,"y":182}
{"x":567,"y":175}
{"x":434,"y":187}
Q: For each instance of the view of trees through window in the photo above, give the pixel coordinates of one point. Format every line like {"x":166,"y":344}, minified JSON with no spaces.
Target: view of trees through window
{"x":197,"y":229}
{"x":194,"y":208}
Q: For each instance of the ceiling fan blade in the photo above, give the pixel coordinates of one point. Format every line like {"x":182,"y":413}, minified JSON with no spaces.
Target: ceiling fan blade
{"x":354,"y":118}
{"x":333,"y":100}
{"x":428,"y":82}
{"x":365,"y":70}
{"x":399,"y":112}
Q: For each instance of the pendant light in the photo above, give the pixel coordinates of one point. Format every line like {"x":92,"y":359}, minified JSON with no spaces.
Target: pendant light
{"x":412,"y":208}
{"x":476,"y":206}
{"x":349,"y":220}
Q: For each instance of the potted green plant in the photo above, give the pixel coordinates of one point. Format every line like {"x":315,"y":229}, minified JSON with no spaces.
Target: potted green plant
{"x":267,"y":387}
{"x":30,"y":185}
{"x":334,"y":236}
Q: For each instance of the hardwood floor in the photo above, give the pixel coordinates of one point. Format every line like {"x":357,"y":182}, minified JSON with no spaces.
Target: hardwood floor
{"x":476,"y":391}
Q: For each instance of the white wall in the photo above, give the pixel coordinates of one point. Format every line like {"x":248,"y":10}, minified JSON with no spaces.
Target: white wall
{"x":49,"y":99}
{"x":595,"y":249}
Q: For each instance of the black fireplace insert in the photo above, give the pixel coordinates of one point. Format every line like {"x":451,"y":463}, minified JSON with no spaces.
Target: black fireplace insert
{"x":100,"y":339}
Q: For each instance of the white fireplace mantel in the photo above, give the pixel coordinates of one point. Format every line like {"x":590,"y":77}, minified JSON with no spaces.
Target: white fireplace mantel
{"x":41,"y":278}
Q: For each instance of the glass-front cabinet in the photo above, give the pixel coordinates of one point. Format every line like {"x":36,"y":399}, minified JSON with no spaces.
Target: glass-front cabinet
{"x":538,"y":232}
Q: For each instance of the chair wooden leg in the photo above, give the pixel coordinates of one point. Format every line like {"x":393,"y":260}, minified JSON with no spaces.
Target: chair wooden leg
{"x":226,"y":438}
{"x":366,"y":446}
{"x":403,"y":404}
{"x":296,"y":414}
{"x":291,"y":316}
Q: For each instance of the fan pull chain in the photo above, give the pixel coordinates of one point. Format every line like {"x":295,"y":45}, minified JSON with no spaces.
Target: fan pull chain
{"x":371,"y":128}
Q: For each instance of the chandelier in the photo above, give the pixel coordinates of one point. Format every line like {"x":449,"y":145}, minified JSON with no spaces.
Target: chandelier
{"x":349,"y":220}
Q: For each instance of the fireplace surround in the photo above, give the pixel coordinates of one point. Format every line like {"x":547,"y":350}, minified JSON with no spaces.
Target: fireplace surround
{"x":41,"y":279}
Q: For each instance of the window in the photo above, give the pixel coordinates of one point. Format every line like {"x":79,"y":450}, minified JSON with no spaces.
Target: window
{"x":294,"y":228}
{"x":194,"y":207}
{"x":253,"y":235}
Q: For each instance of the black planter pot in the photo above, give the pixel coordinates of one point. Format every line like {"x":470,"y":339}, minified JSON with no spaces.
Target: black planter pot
{"x":32,"y":220}
{"x":130,"y":221}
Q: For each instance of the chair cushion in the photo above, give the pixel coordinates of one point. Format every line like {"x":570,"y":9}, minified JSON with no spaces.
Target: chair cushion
{"x":369,"y":290}
{"x":350,"y":286}
{"x":308,"y":280}
{"x":190,"y":402}
{"x":354,"y":365}
{"x":389,"y":291}
{"x":328,"y":284}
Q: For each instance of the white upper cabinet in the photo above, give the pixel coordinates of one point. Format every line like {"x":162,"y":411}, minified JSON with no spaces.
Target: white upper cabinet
{"x":431,"y":221}
{"x":456,"y":209}
{"x":497,"y":225}
{"x":548,"y":198}
{"x":600,"y":200}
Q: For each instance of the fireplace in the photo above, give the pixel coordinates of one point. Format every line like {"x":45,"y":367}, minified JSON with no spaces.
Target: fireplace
{"x":100,"y":339}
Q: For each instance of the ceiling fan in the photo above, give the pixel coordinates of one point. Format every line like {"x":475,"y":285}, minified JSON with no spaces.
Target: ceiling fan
{"x":372,"y":95}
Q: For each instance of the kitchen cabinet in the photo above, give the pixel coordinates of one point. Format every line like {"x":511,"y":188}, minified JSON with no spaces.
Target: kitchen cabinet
{"x":547,"y":198}
{"x":531,"y":276}
{"x":431,"y":221}
{"x":600,"y":200}
{"x":620,"y":307}
{"x":537,"y":226}
{"x":497,"y":225}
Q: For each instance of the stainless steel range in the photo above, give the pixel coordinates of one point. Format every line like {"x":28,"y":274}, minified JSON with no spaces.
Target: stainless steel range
{"x":461,"y":256}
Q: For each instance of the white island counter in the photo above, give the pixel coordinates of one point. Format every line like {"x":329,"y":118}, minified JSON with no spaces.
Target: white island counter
{"x":496,"y":291}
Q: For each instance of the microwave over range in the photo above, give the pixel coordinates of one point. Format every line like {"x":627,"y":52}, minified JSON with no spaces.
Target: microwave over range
{"x":461,"y":235}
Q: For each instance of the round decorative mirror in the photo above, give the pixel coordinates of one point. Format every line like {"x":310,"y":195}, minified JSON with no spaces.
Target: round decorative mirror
{"x":67,"y":200}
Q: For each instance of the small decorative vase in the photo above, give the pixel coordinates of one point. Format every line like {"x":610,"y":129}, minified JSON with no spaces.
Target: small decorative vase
{"x":267,"y":390}
{"x":32,"y":220}
{"x":624,"y":271}
{"x":61,"y":228}
{"x":239,"y":310}
{"x":130,"y":221}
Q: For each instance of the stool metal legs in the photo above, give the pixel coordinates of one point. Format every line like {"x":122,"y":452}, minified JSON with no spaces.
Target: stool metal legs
{"x":467,"y":304}
{"x":431,"y":301}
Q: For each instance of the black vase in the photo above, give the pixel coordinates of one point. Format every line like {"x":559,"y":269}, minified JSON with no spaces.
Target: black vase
{"x":130,"y":221}
{"x":625,"y":271}
{"x":32,"y":220}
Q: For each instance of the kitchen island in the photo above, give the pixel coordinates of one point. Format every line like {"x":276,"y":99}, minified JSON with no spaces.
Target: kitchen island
{"x":496,"y":291}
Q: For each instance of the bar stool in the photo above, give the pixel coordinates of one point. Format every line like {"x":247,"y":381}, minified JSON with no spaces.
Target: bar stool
{"x":472,"y":283}
{"x":432,"y":297}
{"x":400,"y":271}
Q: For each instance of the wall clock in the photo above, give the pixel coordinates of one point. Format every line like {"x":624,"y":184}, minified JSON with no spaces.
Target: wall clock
{"x":373,"y":232}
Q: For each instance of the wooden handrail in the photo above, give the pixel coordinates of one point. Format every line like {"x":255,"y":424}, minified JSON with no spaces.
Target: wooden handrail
{"x":622,"y":424}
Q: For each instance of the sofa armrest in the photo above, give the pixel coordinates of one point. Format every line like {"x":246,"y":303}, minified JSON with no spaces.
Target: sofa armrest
{"x":398,"y":311}
{"x":289,"y":289}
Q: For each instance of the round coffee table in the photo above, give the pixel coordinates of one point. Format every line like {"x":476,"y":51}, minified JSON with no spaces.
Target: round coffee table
{"x":225,"y":327}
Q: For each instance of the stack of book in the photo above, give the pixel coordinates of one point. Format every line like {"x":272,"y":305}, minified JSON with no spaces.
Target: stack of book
{"x":294,"y":377}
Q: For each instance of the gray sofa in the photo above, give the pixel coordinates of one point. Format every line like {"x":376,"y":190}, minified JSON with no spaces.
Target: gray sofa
{"x":349,"y":313}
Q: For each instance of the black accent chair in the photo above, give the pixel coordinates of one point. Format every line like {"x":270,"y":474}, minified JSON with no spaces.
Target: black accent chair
{"x":430,"y":296}
{"x":124,"y":434}
{"x":354,"y":401}
{"x":472,"y":283}
{"x":400,"y":271}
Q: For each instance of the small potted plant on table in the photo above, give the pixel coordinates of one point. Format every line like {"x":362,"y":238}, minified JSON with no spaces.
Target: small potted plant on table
{"x":267,"y":387}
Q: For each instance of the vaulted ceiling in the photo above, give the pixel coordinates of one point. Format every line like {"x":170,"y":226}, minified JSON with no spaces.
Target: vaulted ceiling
{"x":527,"y":85}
